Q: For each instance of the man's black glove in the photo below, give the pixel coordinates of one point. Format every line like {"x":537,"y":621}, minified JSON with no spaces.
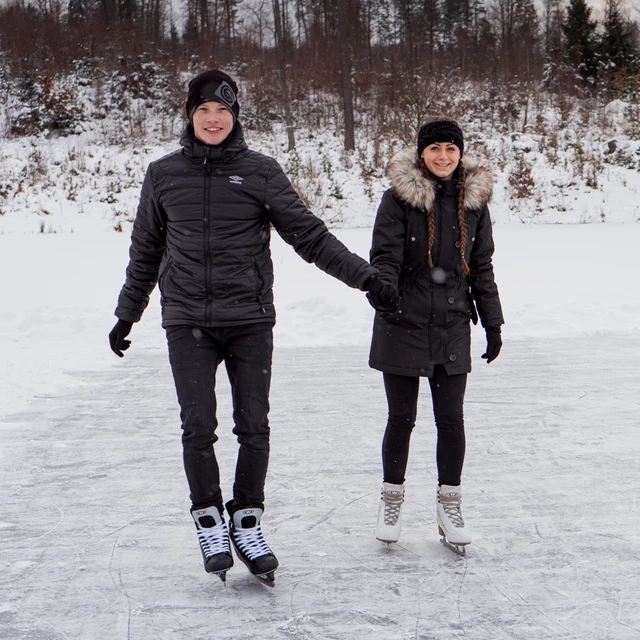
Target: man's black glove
{"x":382,"y":294}
{"x":494,"y":344}
{"x":118,"y":335}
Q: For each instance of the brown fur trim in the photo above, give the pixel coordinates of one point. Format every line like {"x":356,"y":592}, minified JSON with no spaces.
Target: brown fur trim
{"x":418,"y":190}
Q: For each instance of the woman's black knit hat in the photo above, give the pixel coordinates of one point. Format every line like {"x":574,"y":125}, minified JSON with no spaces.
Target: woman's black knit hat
{"x":440,"y":130}
{"x":213,"y":86}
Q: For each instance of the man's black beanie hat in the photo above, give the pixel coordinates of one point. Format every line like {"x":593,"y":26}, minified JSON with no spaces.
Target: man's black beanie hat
{"x":213,"y":86}
{"x":444,"y":130}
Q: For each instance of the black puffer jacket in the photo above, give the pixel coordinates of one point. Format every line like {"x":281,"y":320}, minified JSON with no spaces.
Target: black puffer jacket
{"x":202,"y":230}
{"x":432,"y":325}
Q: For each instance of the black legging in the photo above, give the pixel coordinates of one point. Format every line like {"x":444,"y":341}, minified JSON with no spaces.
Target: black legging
{"x":447,"y":394}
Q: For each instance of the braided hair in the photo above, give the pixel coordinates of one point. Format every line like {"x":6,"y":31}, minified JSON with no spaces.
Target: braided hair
{"x":431,"y":233}
{"x":460,"y":215}
{"x":462,"y":222}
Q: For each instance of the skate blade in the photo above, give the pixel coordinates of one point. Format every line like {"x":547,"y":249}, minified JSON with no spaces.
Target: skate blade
{"x":460,"y":549}
{"x":222,"y":575}
{"x":386,"y":541}
{"x":268,"y":579}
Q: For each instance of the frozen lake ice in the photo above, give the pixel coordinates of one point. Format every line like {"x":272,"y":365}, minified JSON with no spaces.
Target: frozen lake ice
{"x":97,"y":541}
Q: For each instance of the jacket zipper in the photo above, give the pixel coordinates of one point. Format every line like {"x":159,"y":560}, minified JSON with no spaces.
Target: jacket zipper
{"x":207,"y":243}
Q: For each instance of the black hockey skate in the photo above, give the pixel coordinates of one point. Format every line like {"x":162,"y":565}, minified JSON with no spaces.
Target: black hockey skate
{"x":213,"y":537}
{"x":250,"y":546}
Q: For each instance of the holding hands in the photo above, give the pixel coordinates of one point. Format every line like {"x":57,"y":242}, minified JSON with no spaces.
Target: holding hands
{"x":382,"y":294}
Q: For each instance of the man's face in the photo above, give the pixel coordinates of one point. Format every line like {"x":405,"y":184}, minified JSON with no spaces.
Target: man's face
{"x":212,"y":122}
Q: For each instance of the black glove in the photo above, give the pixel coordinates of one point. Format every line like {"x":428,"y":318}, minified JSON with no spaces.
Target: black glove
{"x":383,"y":295}
{"x":117,"y":337}
{"x":494,"y":344}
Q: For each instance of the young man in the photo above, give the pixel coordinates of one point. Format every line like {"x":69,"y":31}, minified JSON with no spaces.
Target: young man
{"x":202,"y":232}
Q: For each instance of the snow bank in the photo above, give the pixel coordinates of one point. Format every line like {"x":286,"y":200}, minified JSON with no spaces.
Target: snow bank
{"x":582,"y":170}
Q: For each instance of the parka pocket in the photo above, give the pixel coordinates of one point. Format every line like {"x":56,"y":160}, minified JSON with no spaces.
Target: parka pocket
{"x":460,"y":303}
{"x":178,"y":284}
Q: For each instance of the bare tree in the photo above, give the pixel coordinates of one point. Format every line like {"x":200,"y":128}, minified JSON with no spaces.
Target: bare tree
{"x":345,"y":69}
{"x":282,"y":69}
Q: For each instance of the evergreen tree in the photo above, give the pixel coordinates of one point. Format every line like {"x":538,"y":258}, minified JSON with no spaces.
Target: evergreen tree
{"x":429,"y":20}
{"x":457,"y":32}
{"x":29,"y":114}
{"x":453,"y":20}
{"x":484,"y":38}
{"x":616,"y":45}
{"x":580,"y":39}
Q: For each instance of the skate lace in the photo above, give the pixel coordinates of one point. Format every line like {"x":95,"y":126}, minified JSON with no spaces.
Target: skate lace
{"x":214,"y":540}
{"x":454,"y":513}
{"x":251,"y":543}
{"x":392,"y":504}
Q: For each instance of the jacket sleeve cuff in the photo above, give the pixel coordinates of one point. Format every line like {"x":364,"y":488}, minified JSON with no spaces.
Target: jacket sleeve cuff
{"x":128,"y":315}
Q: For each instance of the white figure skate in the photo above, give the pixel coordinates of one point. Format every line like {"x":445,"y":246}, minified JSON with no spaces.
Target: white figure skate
{"x":455,"y":535}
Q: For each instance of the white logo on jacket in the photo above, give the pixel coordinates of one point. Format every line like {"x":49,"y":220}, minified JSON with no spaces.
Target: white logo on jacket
{"x":236,"y":179}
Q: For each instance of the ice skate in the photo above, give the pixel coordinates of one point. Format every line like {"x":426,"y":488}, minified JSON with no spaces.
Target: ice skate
{"x":390,"y":512}
{"x":249,"y":543}
{"x":213,"y":536}
{"x":455,"y":535}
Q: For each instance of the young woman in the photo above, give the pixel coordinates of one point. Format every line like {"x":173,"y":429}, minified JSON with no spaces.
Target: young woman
{"x":432,"y":238}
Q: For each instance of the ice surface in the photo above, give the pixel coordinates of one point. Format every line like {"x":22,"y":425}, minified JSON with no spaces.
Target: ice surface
{"x":97,"y":541}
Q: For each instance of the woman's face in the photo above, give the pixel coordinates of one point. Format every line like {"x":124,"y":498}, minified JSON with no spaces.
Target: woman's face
{"x":212,"y":122}
{"x":442,"y":159}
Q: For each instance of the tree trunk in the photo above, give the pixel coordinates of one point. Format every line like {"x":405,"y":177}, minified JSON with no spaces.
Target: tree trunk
{"x":282,"y":68}
{"x":345,"y":69}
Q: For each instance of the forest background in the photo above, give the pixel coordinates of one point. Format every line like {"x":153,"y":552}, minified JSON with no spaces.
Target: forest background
{"x":547,"y":92}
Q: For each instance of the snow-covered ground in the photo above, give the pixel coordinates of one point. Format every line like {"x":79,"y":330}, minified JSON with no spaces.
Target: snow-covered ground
{"x":561,"y":174}
{"x":96,"y":538}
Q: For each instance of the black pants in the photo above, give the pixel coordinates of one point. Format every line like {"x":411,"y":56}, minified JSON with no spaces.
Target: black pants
{"x":194,"y":354}
{"x":447,"y":394}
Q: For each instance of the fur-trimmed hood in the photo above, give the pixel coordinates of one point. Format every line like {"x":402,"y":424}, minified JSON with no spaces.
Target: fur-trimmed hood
{"x":414,"y":187}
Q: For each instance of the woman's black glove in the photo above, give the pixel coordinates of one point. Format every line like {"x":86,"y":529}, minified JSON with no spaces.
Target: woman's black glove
{"x":117,"y":337}
{"x":494,"y":344}
{"x":382,"y":294}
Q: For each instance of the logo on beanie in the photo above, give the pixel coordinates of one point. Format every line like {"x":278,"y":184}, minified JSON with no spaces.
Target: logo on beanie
{"x":226,"y":94}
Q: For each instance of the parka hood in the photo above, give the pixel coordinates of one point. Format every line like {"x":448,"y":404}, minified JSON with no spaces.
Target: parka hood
{"x":414,"y":187}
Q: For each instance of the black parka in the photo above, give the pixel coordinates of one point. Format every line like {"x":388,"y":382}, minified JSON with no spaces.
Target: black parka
{"x":202,"y":230}
{"x":432,"y":324}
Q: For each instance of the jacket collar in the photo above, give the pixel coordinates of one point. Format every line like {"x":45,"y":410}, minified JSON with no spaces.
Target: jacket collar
{"x":418,"y":190}
{"x":198,"y":151}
